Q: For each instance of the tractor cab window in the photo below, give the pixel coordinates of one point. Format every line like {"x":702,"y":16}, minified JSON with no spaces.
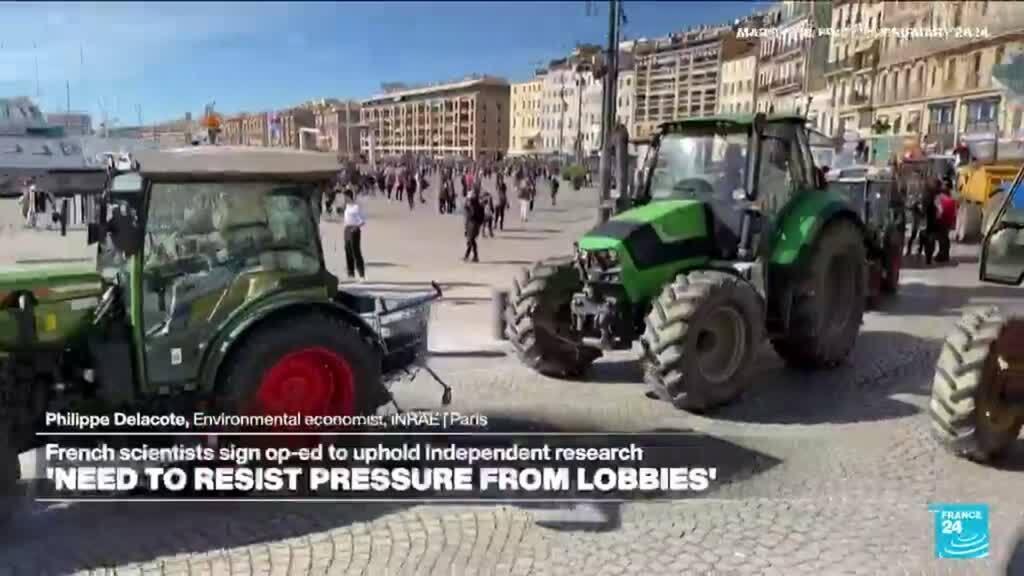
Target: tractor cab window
{"x":1003,"y":253}
{"x":707,"y":166}
{"x":781,"y":172}
{"x":201,"y":237}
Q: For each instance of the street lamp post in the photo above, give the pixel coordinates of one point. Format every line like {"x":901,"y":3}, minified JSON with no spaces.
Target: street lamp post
{"x":579,"y":117}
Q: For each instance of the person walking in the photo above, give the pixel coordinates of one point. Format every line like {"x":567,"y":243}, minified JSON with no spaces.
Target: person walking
{"x":472,"y":214}
{"x":931,"y":222}
{"x":502,"y":204}
{"x":524,"y":202}
{"x":354,"y":222}
{"x":946,"y":222}
{"x":410,"y":189}
{"x":554,"y":189}
{"x":531,"y":185}
{"x":488,"y":206}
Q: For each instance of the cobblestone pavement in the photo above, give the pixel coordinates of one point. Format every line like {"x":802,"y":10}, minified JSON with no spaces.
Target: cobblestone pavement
{"x":838,"y":469}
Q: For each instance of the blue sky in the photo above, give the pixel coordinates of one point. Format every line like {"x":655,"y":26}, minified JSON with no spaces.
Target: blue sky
{"x":170,"y":58}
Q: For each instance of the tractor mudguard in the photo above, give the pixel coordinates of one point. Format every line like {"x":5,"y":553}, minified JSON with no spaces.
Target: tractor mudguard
{"x":234,"y":334}
{"x":802,"y":223}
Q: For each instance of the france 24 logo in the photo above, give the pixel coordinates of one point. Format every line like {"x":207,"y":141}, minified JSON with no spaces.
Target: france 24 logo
{"x":961,"y":530}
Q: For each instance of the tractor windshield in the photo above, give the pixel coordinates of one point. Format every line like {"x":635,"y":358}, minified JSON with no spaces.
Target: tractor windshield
{"x":230,"y":225}
{"x":706,"y":165}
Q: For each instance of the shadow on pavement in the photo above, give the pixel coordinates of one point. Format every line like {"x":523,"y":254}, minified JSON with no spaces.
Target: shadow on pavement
{"x":469,"y":354}
{"x":92,"y":536}
{"x":535,"y":230}
{"x":882,"y":364}
{"x":615,"y":371}
{"x":917,"y":299}
{"x":509,"y":262}
{"x":384,"y":265}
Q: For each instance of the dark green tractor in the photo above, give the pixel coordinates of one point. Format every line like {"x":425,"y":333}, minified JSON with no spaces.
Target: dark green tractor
{"x":733,"y":238}
{"x":210,"y":293}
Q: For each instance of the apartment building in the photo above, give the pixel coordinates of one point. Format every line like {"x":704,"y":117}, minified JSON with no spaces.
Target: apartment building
{"x":256,"y":129}
{"x":287,"y":127}
{"x":852,"y":66}
{"x":524,"y":116}
{"x":568,"y":91}
{"x":791,"y":65}
{"x":233,"y":130}
{"x":737,"y":91}
{"x":942,"y":88}
{"x":626,"y":99}
{"x":677,"y":76}
{"x":338,"y":126}
{"x":467,"y":118}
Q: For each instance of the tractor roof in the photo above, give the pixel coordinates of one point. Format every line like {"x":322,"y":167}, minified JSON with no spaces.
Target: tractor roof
{"x":237,"y":163}
{"x":738,"y":119}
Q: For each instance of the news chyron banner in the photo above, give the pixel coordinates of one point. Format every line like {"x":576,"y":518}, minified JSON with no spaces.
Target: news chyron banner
{"x":443,"y":456}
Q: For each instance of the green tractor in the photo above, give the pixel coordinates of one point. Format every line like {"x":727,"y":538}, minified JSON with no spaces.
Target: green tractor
{"x":209,"y":293}
{"x":733,"y":238}
{"x":977,"y":403}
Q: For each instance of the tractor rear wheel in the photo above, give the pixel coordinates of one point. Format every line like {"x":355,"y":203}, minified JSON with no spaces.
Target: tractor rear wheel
{"x":702,"y":334}
{"x":893,"y":261}
{"x":10,"y":476}
{"x":538,"y":320}
{"x":326,"y":368}
{"x":828,"y":307}
{"x":967,"y":416}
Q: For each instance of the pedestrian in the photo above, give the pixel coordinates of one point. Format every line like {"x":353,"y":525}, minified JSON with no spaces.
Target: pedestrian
{"x":354,"y":222}
{"x":915,"y":213}
{"x":946,"y":207}
{"x":531,"y":182}
{"x":554,"y":190}
{"x":330,"y":198}
{"x":423,"y":184}
{"x":381,"y":183}
{"x":488,"y":205}
{"x":389,"y":181}
{"x":410,"y":189}
{"x":502,"y":203}
{"x":931,"y":221}
{"x":524,"y":202}
{"x":473,"y":217}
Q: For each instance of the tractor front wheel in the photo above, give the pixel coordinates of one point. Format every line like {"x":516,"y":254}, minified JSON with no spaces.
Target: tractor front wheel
{"x":967,"y":415}
{"x":829,"y":302}
{"x":702,"y":334}
{"x":538,"y":320}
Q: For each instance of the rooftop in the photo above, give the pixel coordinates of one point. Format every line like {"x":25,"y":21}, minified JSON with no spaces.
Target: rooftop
{"x":470,"y":82}
{"x":237,"y":163}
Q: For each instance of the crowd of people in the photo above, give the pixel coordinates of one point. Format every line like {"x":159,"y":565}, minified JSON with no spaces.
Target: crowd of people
{"x":931,"y":216}
{"x":479,"y":191}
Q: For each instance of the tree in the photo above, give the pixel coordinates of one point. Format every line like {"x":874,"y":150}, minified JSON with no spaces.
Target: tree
{"x":880,"y":126}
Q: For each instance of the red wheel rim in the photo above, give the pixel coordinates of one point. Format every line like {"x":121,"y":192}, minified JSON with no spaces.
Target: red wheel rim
{"x":311,"y":382}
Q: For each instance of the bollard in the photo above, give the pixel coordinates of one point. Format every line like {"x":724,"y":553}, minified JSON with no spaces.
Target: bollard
{"x":498,"y":301}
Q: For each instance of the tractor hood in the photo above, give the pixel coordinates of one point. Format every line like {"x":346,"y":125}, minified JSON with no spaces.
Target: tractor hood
{"x":658,"y":233}
{"x":50,"y":283}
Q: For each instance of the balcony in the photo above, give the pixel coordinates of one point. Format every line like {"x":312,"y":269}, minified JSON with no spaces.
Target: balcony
{"x":981,"y":126}
{"x":782,"y":85}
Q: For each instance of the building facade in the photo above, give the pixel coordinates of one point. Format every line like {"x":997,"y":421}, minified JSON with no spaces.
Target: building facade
{"x":852,"y":66}
{"x":256,"y":129}
{"x":338,"y":125}
{"x":233,"y":130}
{"x":468,"y":118}
{"x":626,"y":99}
{"x":941,"y":89}
{"x":524,"y":116}
{"x":791,"y":64}
{"x":737,"y":92}
{"x":678,"y":76}
{"x":288,"y":127}
{"x":570,"y":92}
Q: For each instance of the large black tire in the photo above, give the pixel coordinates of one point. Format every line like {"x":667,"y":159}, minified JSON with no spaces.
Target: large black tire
{"x":10,"y":488}
{"x":892,"y":264}
{"x":702,"y":335}
{"x":829,"y":304}
{"x":269,"y":343}
{"x":963,"y":382}
{"x":538,"y":320}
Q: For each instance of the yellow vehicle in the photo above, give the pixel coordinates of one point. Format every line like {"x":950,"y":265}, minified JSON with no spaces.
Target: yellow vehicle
{"x":978,"y":194}
{"x":979,"y":183}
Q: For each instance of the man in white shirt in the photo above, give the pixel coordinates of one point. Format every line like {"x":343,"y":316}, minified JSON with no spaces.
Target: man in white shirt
{"x":354,"y":221}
